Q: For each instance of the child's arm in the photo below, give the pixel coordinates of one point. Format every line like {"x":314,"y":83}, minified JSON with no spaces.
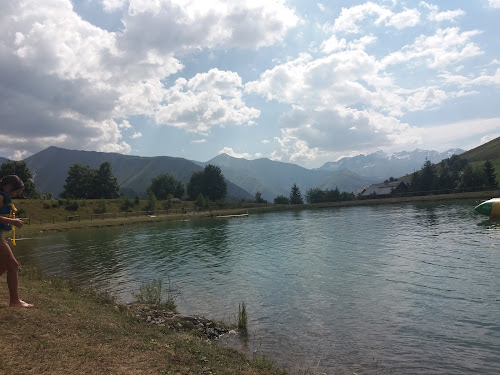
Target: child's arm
{"x":7,"y":220}
{"x":16,"y":222}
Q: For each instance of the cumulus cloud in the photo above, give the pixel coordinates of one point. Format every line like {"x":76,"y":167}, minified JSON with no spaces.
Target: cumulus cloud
{"x":136,"y":135}
{"x":407,"y":18}
{"x":445,"y":47}
{"x":207,"y":100}
{"x":483,"y":79}
{"x":494,"y":3}
{"x":425,"y":98}
{"x":229,"y":151}
{"x":347,"y":99}
{"x":308,"y":133}
{"x":350,"y":19}
{"x":177,"y":25}
{"x":112,"y":5}
{"x":437,"y":16}
{"x":66,"y":82}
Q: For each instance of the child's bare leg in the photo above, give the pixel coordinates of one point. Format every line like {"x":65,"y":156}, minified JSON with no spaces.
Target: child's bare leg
{"x":9,"y":262}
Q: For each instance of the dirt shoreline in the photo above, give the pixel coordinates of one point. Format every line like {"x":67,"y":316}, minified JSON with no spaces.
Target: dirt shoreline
{"x":34,"y":229}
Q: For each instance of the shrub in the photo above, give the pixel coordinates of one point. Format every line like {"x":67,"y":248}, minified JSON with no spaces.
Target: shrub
{"x":101,"y":207}
{"x":71,"y":205}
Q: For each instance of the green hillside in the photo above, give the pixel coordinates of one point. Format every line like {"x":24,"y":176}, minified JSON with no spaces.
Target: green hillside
{"x":487,"y":151}
{"x":478,"y":155}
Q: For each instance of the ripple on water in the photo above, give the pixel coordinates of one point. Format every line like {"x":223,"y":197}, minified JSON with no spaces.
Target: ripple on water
{"x":410,"y":288}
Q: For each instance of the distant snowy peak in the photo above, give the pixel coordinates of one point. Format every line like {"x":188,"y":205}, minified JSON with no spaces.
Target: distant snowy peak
{"x":382,"y":165}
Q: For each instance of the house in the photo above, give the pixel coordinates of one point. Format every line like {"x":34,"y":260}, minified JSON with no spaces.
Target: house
{"x":385,"y":189}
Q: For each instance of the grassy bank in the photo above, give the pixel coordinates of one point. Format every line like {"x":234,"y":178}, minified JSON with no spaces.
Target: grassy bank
{"x":46,"y":216}
{"x":73,"y":331}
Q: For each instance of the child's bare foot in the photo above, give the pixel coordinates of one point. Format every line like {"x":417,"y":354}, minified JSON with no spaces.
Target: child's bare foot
{"x":20,"y":303}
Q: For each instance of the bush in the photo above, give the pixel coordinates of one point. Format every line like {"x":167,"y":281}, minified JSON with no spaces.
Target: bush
{"x":281,"y":199}
{"x":127,"y":205}
{"x":101,"y":207}
{"x":71,"y":205}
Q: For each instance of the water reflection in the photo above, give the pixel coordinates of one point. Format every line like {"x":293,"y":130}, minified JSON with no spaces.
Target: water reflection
{"x":410,"y":288}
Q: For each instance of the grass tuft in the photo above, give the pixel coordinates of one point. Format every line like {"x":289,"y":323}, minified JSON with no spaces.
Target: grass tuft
{"x":242,"y":319}
{"x":152,"y":294}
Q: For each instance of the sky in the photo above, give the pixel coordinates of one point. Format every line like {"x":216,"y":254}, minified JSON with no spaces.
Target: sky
{"x":295,"y":81}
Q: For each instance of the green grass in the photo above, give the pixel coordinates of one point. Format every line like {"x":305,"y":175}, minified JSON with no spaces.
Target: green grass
{"x":242,"y":319}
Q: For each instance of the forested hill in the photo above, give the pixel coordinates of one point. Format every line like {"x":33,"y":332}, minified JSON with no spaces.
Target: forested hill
{"x":134,"y":173}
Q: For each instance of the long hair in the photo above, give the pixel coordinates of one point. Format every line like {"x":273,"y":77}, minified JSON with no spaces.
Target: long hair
{"x":13,"y":180}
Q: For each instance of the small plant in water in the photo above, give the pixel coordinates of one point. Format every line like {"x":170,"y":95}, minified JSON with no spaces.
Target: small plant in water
{"x":242,"y":319}
{"x":171,"y":296}
{"x":151,"y":294}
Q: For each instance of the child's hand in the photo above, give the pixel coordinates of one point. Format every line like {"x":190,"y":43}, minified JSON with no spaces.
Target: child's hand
{"x":17,"y":222}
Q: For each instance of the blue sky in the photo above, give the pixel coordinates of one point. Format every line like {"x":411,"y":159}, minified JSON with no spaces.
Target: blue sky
{"x":295,"y":81}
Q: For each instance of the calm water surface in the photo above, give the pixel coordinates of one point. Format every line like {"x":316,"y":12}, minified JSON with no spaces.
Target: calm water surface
{"x":396,"y":289}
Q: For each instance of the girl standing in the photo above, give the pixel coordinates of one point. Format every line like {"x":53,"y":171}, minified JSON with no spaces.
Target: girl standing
{"x":10,"y":187}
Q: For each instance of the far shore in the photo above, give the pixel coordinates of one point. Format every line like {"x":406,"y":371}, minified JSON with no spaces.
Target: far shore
{"x":33,"y":229}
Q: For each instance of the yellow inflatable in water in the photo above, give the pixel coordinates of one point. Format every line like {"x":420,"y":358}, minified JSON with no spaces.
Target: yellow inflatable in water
{"x":489,"y":208}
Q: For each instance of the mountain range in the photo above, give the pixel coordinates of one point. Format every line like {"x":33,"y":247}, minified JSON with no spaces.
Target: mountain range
{"x":273,"y":178}
{"x":380,"y":166}
{"x":134,"y":173}
{"x":244,"y":177}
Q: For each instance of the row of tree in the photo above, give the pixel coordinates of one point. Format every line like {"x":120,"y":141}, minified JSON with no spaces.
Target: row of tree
{"x":453,"y":174}
{"x":83,"y":182}
{"x":313,"y":195}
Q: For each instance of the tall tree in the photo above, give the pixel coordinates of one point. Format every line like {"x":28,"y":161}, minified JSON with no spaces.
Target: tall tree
{"x":164,"y":185}
{"x":428,"y":176}
{"x":424,"y":181}
{"x":315,"y":195}
{"x":295,"y":196}
{"x":473,"y":178}
{"x":258,"y":198}
{"x":333,"y":195}
{"x":104,"y":184}
{"x":215,"y":186}
{"x":489,"y":170}
{"x":210,"y":182}
{"x":78,"y":182}
{"x":449,"y":175}
{"x":20,"y":169}
{"x":195,"y":185}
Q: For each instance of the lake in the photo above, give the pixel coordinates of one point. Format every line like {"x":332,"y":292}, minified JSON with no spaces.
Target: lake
{"x":392,"y":289}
